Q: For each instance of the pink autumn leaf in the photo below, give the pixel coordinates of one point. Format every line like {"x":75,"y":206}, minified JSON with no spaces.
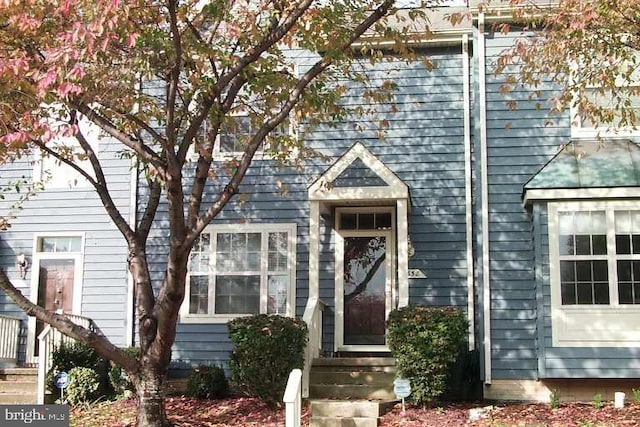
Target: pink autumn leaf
{"x":67,"y":88}
{"x":77,"y":72}
{"x":48,"y":80}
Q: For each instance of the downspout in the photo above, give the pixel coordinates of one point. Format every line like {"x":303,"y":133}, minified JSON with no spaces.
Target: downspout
{"x":133,"y":206}
{"x":133,"y":209}
{"x":486,"y":280}
{"x":466,"y":100}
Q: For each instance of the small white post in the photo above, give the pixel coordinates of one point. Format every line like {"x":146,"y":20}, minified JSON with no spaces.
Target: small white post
{"x":618,"y":400}
{"x":293,"y":399}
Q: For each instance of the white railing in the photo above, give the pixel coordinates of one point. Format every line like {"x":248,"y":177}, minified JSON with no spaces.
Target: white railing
{"x":9,"y":336}
{"x":48,"y":340}
{"x":293,"y":399}
{"x":313,"y":318}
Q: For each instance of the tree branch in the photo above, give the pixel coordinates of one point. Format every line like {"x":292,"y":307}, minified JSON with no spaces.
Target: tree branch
{"x":141,"y":149}
{"x":234,"y":182}
{"x":61,"y":322}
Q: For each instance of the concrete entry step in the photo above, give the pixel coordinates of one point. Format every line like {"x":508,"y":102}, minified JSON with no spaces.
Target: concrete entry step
{"x":348,"y":413}
{"x":354,"y":361}
{"x":350,"y":408}
{"x":11,"y":374}
{"x":343,"y":422}
{"x":18,"y":385}
{"x":351,"y":391}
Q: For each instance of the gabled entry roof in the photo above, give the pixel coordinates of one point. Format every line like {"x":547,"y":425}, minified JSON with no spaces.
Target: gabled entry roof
{"x":358,"y":175}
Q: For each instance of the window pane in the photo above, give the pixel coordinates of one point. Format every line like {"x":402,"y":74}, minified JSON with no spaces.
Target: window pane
{"x":567,"y":271}
{"x":628,"y":281}
{"x":278,"y":252}
{"x":366,"y":221}
{"x":585,"y":293}
{"x":636,"y":243}
{"x":567,"y":246}
{"x":625,"y":293}
{"x":253,"y":242}
{"x":348,"y":221}
{"x":565,"y":223}
{"x":583,"y":245}
{"x":60,"y":244}
{"x":383,"y":220}
{"x":599,"y":242}
{"x":277,"y":297}
{"x":623,"y":244}
{"x":600,"y":271}
{"x":253,"y":261}
{"x":583,"y":271}
{"x":568,"y":291}
{"x":237,"y":294}
{"x":601,"y":293}
{"x":624,"y":271}
{"x":198,"y":294}
{"x":234,"y":135}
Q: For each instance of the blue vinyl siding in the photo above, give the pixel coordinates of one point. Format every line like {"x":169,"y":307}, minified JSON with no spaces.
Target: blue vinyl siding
{"x":75,"y":210}
{"x":520,"y":142}
{"x":423,"y":147}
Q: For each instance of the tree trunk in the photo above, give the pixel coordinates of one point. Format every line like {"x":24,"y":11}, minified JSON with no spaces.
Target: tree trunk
{"x":149,"y":388}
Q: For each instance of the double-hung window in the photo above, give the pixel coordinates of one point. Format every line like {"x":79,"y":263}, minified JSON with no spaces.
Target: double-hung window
{"x":594,"y":250}
{"x":241,"y":269}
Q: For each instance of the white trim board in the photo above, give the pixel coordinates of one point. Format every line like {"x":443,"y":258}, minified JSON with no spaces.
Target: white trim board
{"x":321,"y":189}
{"x":580,"y":193}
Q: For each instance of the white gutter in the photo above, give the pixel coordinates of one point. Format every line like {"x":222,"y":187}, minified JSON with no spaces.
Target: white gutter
{"x":486,"y":282}
{"x":133,"y":205}
{"x":466,"y":101}
{"x":129,"y":337}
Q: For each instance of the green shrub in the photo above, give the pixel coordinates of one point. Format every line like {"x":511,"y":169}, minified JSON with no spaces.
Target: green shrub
{"x":266,"y":349}
{"x":76,"y":355}
{"x":207,"y":382}
{"x":425,"y":341}
{"x":84,"y":386}
{"x":118,"y":377}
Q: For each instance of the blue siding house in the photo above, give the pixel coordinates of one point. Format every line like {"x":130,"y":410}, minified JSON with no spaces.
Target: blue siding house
{"x":528,"y":224}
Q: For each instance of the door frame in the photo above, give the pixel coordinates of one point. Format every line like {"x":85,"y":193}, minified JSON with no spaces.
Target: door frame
{"x":390,"y":274}
{"x":37,"y":257}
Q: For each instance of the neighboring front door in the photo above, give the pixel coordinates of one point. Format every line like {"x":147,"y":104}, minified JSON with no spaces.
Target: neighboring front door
{"x":364,"y":288}
{"x":55,"y":287}
{"x":57,"y":272}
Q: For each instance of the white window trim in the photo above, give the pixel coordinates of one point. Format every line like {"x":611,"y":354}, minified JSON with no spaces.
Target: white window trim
{"x":289,"y":228}
{"x":606,"y":131}
{"x":613,"y":325}
{"x":261,"y":153}
{"x":92,"y":134}
{"x":37,"y":257}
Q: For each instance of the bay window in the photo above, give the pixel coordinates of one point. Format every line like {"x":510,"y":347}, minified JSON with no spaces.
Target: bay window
{"x":594,"y":250}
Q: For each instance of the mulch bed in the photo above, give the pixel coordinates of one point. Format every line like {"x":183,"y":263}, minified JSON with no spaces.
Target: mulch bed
{"x":249,"y":412}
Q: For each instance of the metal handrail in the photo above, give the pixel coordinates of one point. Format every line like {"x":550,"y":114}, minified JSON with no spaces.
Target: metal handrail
{"x":313,"y":318}
{"x":49,"y":339}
